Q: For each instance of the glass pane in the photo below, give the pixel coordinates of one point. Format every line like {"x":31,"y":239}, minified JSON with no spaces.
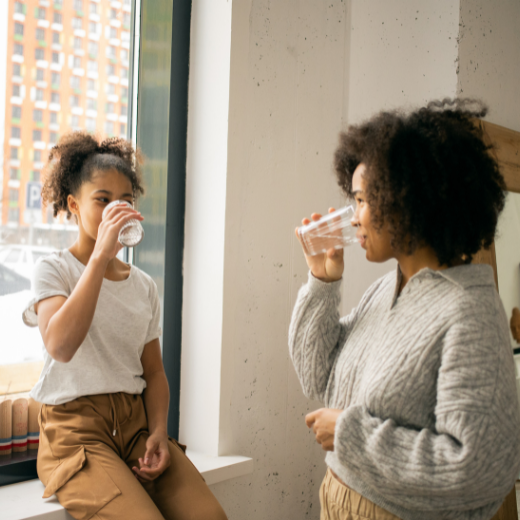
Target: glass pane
{"x":62,"y":68}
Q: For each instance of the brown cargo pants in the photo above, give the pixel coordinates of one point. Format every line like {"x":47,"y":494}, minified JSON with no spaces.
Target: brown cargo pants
{"x":87,"y":449}
{"x":339,"y":502}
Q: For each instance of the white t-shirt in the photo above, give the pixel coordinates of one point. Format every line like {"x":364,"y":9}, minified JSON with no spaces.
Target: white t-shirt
{"x":127,"y":317}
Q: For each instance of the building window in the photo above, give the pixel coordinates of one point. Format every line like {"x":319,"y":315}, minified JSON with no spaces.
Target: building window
{"x":36,"y":176}
{"x":37,"y":156}
{"x":16,"y":132}
{"x":124,"y":73}
{"x":38,"y":115}
{"x":14,"y":195}
{"x":113,"y":33}
{"x":56,"y":38}
{"x":57,"y":18}
{"x":110,"y":108}
{"x":126,"y":19}
{"x":124,"y":110}
{"x":40,"y":13}
{"x":55,"y":98}
{"x":18,"y":49}
{"x":91,"y":104}
{"x":40,"y":34}
{"x":39,"y":54}
{"x":75,"y":82}
{"x":93,"y":27}
{"x":53,"y":137}
{"x":76,"y":62}
{"x":40,"y":74}
{"x":113,"y":14}
{"x":74,"y":122}
{"x":37,"y":135}
{"x":16,"y":90}
{"x":14,"y":174}
{"x":111,"y":70}
{"x":93,"y":8}
{"x":55,"y":79}
{"x":92,"y":66}
{"x":56,"y":57}
{"x":14,"y":153}
{"x":16,"y":112}
{"x":90,"y":124}
{"x":13,"y":215}
{"x":78,"y":5}
{"x":111,"y":88}
{"x":93,"y":48}
{"x":109,"y":128}
{"x":54,"y":118}
{"x":18,"y":29}
{"x":91,"y":84}
{"x":74,"y":101}
{"x":17,"y":69}
{"x":111,"y":52}
{"x":78,"y":43}
{"x":124,"y":54}
{"x":39,"y":94}
{"x":77,"y":23}
{"x":19,"y":8}
{"x":122,"y":130}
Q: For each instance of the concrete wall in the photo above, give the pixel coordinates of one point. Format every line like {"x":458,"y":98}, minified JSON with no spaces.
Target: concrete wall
{"x":299,"y":71}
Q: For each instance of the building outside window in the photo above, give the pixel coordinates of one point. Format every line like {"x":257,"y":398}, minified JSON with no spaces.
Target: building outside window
{"x":122,"y":130}
{"x":111,"y":52}
{"x":126,"y":20}
{"x":56,"y":38}
{"x":14,"y":153}
{"x":93,"y":27}
{"x":74,"y":122}
{"x":16,"y":132}
{"x":13,"y":215}
{"x":36,"y":176}
{"x":55,"y":98}
{"x":109,"y":128}
{"x":91,"y":104}
{"x":16,"y":112}
{"x":14,"y":174}
{"x":40,"y":74}
{"x":17,"y":70}
{"x":90,"y":124}
{"x":39,"y":54}
{"x":77,"y":23}
{"x":75,"y":82}
{"x":92,"y":66}
{"x":55,"y":79}
{"x":39,"y":94}
{"x":124,"y":110}
{"x":110,"y":108}
{"x":18,"y":29}
{"x":123,"y":73}
{"x":37,"y":135}
{"x":40,"y":34}
{"x":76,"y":62}
{"x":111,"y":88}
{"x":37,"y":156}
{"x":16,"y":90}
{"x":93,"y":8}
{"x":57,"y":18}
{"x":53,"y":137}
{"x":74,"y":101}
{"x":40,"y":13}
{"x":56,"y":57}
{"x":93,"y":49}
{"x":91,"y":84}
{"x":37,"y":115}
{"x":14,"y":195}
{"x":53,"y":118}
{"x":113,"y":14}
{"x":78,"y":5}
{"x":78,"y":43}
{"x":113,"y":33}
{"x":18,"y":49}
{"x":19,"y":8}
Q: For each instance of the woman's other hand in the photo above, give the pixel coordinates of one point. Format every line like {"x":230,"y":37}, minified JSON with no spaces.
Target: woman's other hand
{"x":327,"y":267}
{"x":156,"y":459}
{"x":323,"y":424}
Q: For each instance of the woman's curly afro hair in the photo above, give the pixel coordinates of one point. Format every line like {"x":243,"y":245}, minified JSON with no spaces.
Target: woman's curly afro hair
{"x":77,"y":156}
{"x":429,"y":176}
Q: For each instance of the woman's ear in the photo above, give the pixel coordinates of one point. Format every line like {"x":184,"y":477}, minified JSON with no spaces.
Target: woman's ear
{"x":73,"y":205}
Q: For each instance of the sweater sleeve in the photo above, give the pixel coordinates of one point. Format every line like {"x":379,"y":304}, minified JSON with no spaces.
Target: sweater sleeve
{"x":471,"y":457}
{"x":316,"y":334}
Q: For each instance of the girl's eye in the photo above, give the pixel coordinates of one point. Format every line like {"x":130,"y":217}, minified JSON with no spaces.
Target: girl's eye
{"x":103,"y":199}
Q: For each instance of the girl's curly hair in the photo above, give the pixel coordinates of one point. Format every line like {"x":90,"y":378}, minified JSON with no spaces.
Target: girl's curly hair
{"x":429,"y":176}
{"x":77,"y":156}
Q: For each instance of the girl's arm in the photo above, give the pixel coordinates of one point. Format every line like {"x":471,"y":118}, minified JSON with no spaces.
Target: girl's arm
{"x":156,"y":401}
{"x":64,"y":322}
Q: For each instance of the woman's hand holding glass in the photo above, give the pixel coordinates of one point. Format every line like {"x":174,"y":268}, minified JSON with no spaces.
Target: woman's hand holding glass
{"x":327,"y":267}
{"x":107,"y":243}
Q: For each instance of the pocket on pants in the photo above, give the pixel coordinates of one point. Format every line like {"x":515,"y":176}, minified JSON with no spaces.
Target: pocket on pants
{"x":82,"y":485}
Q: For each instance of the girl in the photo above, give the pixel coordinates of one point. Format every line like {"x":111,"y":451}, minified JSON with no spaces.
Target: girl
{"x":421,"y":417}
{"x":104,"y":450}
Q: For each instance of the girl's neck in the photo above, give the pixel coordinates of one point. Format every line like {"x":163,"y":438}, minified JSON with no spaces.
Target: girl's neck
{"x":83,"y":248}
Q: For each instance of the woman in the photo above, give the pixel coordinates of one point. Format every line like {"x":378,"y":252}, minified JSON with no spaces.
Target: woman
{"x":421,"y":417}
{"x":104,"y":450}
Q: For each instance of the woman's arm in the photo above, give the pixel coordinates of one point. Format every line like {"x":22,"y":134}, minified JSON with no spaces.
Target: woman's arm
{"x":156,"y":401}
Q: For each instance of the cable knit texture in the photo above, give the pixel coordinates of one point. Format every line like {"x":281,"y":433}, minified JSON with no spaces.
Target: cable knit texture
{"x":426,"y":379}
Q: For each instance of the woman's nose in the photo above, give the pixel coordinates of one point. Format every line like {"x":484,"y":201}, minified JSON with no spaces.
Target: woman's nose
{"x":354,"y":222}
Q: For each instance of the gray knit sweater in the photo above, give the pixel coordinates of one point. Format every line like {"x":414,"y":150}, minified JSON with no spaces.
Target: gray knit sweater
{"x":426,"y":379}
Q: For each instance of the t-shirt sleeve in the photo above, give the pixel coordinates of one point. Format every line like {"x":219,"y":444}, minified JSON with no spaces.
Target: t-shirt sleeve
{"x":154,"y":329}
{"x":46,"y":282}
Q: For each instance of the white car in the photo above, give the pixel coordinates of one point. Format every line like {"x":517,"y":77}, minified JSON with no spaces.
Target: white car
{"x":21,"y":258}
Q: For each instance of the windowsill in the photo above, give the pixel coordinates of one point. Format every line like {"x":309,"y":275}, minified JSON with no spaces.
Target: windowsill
{"x":24,"y":501}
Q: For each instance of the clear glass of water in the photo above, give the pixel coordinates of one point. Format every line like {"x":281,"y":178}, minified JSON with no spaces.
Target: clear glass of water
{"x":332,"y":231}
{"x":132,"y":232}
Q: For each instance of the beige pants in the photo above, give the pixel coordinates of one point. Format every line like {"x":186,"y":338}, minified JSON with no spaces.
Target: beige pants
{"x":339,"y":502}
{"x":89,"y":468}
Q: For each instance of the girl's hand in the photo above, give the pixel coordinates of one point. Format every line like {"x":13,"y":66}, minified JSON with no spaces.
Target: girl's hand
{"x":327,"y":267}
{"x":107,"y":242}
{"x":323,"y":424}
{"x":156,"y":459}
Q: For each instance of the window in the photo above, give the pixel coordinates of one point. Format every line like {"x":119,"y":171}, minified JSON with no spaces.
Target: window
{"x":16,"y":112}
{"x":40,"y":13}
{"x":93,"y":8}
{"x":93,"y":27}
{"x":75,"y":82}
{"x":18,"y":29}
{"x":56,"y":38}
{"x":55,"y":79}
{"x":18,"y":49}
{"x":17,"y":70}
{"x":54,"y":118}
{"x":14,"y":174}
{"x":53,"y":137}
{"x":126,"y":19}
{"x":111,"y":51}
{"x":56,"y":57}
{"x":124,"y":73}
{"x":37,"y":156}
{"x":14,"y":195}
{"x":55,"y":98}
{"x":111,"y":70}
{"x":111,"y":88}
{"x":124,"y":110}
{"x":74,"y":101}
{"x":40,"y":33}
{"x":109,"y":128}
{"x":90,"y":124}
{"x":91,"y":104}
{"x":76,"y":62}
{"x":91,"y":84}
{"x":36,"y":176}
{"x":16,"y":90}
{"x":39,"y":54}
{"x":124,"y":54}
{"x":40,"y":74}
{"x":77,"y":23}
{"x":14,"y":153}
{"x":16,"y":132}
{"x":74,"y":122}
{"x":113,"y":33}
{"x":110,"y":108}
{"x":37,"y":115}
{"x":39,"y":94}
{"x":78,"y":5}
{"x":57,"y":18}
{"x":122,"y":130}
{"x":19,"y":8}
{"x":113,"y":14}
{"x":92,"y":66}
{"x":93,"y":49}
{"x":13,"y":215}
{"x":37,"y":135}
{"x":78,"y":43}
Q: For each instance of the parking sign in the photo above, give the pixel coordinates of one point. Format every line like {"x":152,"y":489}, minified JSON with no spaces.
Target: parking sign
{"x":33,"y":196}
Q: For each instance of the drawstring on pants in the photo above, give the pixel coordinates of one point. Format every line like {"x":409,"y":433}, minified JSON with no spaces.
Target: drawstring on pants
{"x":114,"y":415}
